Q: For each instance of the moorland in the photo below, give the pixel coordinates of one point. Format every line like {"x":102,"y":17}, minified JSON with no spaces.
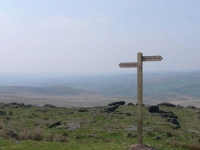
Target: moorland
{"x":48,"y":127}
{"x":80,"y":104}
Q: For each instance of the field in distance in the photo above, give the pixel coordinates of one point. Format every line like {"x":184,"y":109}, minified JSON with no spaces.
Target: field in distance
{"x":180,"y":87}
{"x":94,"y":100}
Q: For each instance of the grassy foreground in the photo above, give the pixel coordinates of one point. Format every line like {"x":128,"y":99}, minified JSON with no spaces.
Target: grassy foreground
{"x":27,"y":127}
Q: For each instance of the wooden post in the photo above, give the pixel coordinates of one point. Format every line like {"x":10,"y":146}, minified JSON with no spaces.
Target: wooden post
{"x":139,"y":98}
{"x":138,"y":65}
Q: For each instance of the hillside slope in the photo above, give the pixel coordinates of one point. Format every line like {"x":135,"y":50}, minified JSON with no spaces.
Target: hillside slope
{"x":53,"y":90}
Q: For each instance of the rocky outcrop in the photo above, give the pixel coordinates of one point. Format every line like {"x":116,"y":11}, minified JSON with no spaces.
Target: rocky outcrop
{"x":192,"y":107}
{"x":115,"y":103}
{"x":13,"y":103}
{"x":57,"y":123}
{"x":166,"y":104}
{"x":111,"y":108}
{"x":169,"y":114}
{"x":130,"y":104}
{"x":49,"y":106}
{"x":83,"y":110}
{"x":153,"y":109}
{"x":173,"y":121}
{"x":164,"y":114}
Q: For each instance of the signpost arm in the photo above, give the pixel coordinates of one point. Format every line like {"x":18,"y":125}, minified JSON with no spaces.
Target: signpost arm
{"x":139,"y":98}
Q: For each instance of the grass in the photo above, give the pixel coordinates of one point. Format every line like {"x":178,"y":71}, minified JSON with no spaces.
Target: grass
{"x":27,"y":128}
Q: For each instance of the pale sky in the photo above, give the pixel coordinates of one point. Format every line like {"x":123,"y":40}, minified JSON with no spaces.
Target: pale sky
{"x":94,"y":36}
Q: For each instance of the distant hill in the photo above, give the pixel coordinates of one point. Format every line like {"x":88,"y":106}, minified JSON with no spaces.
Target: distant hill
{"x":184,"y":83}
{"x":153,"y":84}
{"x":53,"y":90}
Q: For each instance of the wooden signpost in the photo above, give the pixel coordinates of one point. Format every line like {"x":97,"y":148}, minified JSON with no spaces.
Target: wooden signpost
{"x":138,"y":65}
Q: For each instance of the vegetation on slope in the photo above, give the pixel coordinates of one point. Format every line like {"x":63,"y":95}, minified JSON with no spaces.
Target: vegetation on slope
{"x":28,"y":127}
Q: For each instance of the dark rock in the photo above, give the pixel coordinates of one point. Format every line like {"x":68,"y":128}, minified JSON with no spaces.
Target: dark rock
{"x":173,"y":121}
{"x":115,"y":103}
{"x":158,"y":138}
{"x":166,"y":104}
{"x":153,"y":109}
{"x":2,"y":112}
{"x":83,"y":110}
{"x":49,"y":106}
{"x":57,"y":123}
{"x":137,"y":104}
{"x":192,"y":107}
{"x":13,"y":103}
{"x":111,"y":108}
{"x":21,"y":104}
{"x":130,"y":104}
{"x":169,"y":114}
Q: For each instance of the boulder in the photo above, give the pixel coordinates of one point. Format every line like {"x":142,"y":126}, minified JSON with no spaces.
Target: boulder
{"x":49,"y":105}
{"x":28,"y":106}
{"x":166,"y":104}
{"x":13,"y":103}
{"x":153,"y":109}
{"x":21,"y":104}
{"x":83,"y":110}
{"x":111,"y":108}
{"x":57,"y":123}
{"x":192,"y":107}
{"x":173,"y":121}
{"x":115,"y":103}
{"x":169,"y":114}
{"x":130,"y":104}
{"x":158,"y":138}
{"x":137,"y":104}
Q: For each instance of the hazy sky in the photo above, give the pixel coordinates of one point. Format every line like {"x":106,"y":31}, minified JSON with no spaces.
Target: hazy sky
{"x":94,"y":36}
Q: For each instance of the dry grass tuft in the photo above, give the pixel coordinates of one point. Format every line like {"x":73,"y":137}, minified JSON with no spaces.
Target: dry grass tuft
{"x":193,"y":146}
{"x":28,"y":134}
